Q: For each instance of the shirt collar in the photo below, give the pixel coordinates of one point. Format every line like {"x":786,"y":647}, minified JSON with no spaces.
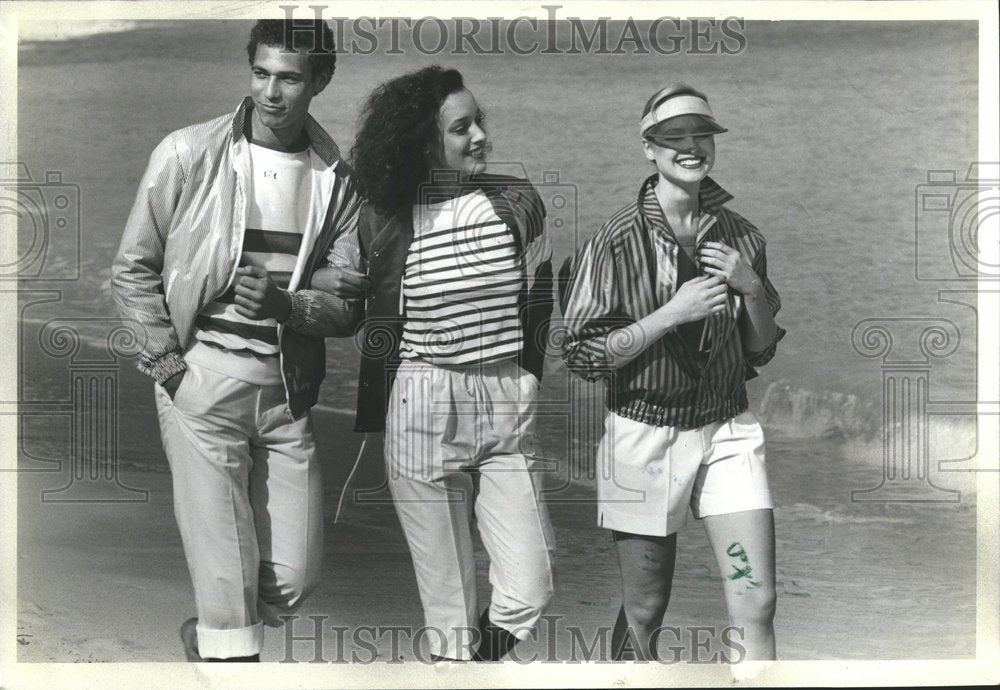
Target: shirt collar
{"x":711,"y":196}
{"x":319,"y":140}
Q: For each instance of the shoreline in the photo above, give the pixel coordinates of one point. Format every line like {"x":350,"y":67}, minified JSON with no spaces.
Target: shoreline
{"x":95,"y":556}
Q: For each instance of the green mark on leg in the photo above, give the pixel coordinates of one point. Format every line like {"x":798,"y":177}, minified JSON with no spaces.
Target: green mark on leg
{"x":736,"y":550}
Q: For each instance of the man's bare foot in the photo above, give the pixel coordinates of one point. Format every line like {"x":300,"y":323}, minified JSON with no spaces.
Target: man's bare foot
{"x":189,"y":636}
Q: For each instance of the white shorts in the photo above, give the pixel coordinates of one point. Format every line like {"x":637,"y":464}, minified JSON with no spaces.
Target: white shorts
{"x":649,"y":475}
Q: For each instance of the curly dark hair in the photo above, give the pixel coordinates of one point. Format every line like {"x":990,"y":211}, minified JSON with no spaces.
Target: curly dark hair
{"x":398,"y":130}
{"x":271,"y":32}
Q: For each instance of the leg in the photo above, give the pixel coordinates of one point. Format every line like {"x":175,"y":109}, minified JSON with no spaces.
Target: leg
{"x":743,"y":544}
{"x":286,"y":492}
{"x":205,"y":434}
{"x":436,"y":525}
{"x":433,"y":499}
{"x":647,"y":567}
{"x":732,"y":496}
{"x":512,"y":518}
{"x":515,"y":529}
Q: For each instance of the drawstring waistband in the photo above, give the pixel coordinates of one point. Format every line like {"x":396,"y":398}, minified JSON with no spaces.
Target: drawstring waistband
{"x":472,"y":379}
{"x":350,"y":476}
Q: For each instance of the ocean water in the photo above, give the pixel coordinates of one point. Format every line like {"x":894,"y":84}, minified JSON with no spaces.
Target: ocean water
{"x":833,"y":126}
{"x":833,"y":129}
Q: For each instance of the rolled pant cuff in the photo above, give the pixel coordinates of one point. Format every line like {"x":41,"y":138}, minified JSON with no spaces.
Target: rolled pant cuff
{"x":226,"y":644}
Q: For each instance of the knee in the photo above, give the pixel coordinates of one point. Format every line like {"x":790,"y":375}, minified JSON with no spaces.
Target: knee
{"x":523,"y":609}
{"x":286,"y":587}
{"x":755,"y":607}
{"x":647,"y":610}
{"x":536,"y":600}
{"x":541,"y":599}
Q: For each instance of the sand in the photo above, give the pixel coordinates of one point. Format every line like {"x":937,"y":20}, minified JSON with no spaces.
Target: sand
{"x":103,"y":582}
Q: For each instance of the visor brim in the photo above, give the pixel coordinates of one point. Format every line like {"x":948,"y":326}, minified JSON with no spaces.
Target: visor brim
{"x":684,"y":126}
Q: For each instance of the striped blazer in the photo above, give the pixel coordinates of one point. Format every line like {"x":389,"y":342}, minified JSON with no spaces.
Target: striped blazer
{"x":184,"y":237}
{"x":617,"y":281}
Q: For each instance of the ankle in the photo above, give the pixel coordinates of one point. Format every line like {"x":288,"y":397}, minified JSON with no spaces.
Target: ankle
{"x":495,"y":642}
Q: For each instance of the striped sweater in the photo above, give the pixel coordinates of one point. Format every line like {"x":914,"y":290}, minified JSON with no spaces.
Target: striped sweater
{"x":461,"y":285}
{"x":278,"y":211}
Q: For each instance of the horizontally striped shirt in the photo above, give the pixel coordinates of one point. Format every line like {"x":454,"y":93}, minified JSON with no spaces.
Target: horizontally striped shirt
{"x":461,"y":285}
{"x":277,"y":214}
{"x":626,"y":272}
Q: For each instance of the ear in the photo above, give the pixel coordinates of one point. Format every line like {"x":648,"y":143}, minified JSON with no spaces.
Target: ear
{"x":648,"y":149}
{"x":321,"y":83}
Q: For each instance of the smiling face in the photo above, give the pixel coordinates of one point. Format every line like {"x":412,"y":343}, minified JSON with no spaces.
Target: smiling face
{"x":282,"y":86}
{"x":462,"y":146}
{"x":684,"y":161}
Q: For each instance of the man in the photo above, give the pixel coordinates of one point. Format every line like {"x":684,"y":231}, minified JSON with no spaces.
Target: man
{"x":231,"y":219}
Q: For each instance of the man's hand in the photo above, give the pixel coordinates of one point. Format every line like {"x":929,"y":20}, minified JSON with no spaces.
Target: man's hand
{"x":698,"y":298}
{"x":721,"y":260}
{"x":342,"y":282}
{"x":257,"y":296}
{"x":173,"y":383}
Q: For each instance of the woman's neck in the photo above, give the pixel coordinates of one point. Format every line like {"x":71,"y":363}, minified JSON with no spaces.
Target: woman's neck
{"x":680,"y":206}
{"x":443,"y":186}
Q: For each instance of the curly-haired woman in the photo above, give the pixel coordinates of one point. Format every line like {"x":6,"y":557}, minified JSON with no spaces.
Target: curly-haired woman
{"x":456,"y":269}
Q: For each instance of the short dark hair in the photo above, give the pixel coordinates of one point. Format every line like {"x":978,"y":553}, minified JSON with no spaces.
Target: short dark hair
{"x":391,"y":157}
{"x":271,"y":32}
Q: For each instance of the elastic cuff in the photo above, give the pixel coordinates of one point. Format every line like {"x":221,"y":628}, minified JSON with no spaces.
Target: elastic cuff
{"x":163,"y":368}
{"x":299,"y":313}
{"x":226,"y":644}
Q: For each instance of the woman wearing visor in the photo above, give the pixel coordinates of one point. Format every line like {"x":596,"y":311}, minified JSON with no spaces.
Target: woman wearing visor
{"x":671,"y":303}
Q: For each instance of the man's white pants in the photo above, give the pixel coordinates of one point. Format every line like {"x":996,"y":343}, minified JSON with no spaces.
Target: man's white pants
{"x":460,"y":443}
{"x":247,"y":497}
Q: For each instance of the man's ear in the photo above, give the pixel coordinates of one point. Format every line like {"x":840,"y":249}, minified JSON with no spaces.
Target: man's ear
{"x":321,"y":82}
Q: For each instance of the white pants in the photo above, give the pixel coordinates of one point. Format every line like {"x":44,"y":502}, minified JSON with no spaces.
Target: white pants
{"x":247,"y":497}
{"x":460,"y":443}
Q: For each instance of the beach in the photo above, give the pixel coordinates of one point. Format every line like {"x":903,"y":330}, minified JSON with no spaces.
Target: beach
{"x":855,"y":580}
{"x":101,"y":574}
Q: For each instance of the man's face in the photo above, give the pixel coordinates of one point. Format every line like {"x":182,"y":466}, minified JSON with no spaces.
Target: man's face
{"x":282,"y":86}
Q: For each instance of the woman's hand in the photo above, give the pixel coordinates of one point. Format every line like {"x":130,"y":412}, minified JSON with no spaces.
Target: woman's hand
{"x":724,"y":262}
{"x":697,"y":299}
{"x":342,"y":282}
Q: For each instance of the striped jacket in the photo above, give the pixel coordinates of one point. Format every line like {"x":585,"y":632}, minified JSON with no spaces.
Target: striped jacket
{"x":184,"y":237}
{"x":616,"y":281}
{"x":379,"y":248}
